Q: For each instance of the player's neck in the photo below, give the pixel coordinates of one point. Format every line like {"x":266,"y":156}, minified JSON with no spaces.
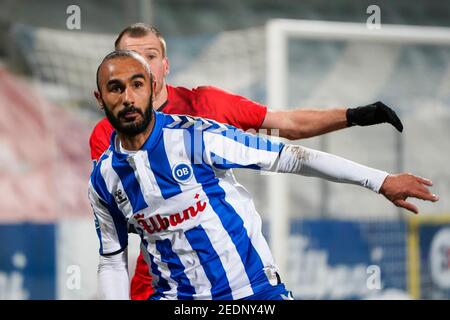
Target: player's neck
{"x":134,"y":143}
{"x":160,"y":98}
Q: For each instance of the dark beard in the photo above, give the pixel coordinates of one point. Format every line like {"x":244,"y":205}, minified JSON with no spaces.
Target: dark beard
{"x":134,"y":128}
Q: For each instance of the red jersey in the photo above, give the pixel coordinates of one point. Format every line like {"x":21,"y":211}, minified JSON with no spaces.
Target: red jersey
{"x":206,"y":102}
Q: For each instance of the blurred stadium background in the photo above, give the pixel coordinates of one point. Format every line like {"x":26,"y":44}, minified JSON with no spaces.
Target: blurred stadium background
{"x":337,"y":233}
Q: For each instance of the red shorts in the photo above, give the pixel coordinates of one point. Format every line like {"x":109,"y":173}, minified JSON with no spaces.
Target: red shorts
{"x":141,"y":283}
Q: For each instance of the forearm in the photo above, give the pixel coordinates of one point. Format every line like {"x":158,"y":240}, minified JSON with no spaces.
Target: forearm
{"x":113,"y":279}
{"x":306,"y":123}
{"x":309,"y":162}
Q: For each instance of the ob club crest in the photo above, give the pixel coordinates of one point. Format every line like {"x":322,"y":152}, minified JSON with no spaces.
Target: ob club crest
{"x":182,"y":172}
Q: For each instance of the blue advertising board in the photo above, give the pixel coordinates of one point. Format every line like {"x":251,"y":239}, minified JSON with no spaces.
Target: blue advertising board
{"x":335,"y":259}
{"x":27,"y":261}
{"x":434,"y":248}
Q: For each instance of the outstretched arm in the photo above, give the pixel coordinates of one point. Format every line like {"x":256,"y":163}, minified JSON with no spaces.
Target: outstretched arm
{"x":306,"y":123}
{"x":396,"y":188}
{"x":227,"y":147}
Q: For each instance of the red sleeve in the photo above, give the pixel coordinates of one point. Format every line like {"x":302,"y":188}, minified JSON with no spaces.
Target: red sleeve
{"x":225,"y":107}
{"x":100,"y":138}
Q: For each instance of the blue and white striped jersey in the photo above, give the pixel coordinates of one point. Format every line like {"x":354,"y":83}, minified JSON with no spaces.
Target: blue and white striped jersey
{"x":199,"y":227}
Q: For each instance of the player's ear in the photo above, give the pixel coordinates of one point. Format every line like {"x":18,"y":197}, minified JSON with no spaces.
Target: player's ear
{"x":98,"y":97}
{"x":153,"y":88}
{"x":166,"y":66}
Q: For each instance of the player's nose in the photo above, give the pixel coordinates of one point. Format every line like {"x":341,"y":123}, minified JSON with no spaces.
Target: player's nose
{"x":128,"y":97}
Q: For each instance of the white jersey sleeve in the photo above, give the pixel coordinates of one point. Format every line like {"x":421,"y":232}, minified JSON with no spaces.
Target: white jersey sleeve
{"x":234,"y":148}
{"x":111,"y":227}
{"x":113,"y":279}
{"x":314,"y":163}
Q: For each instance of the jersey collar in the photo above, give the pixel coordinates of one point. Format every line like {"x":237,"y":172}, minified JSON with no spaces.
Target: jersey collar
{"x":149,"y":144}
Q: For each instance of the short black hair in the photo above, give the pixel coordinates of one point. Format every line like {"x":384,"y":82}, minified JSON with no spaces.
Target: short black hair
{"x":141,"y":29}
{"x":124,"y":54}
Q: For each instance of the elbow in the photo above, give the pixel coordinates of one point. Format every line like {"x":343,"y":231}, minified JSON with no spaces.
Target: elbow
{"x":295,"y":130}
{"x":294,"y":134}
{"x":290,"y":126}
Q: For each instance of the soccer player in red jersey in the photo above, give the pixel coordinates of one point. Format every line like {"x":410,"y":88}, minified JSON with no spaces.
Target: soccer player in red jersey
{"x":213,"y":103}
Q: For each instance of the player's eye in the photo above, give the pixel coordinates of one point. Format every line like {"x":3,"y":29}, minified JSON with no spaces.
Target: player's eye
{"x":151,"y":56}
{"x":138,"y":84}
{"x":115,"y":88}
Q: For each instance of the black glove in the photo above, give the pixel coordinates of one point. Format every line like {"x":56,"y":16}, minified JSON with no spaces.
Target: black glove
{"x":371,"y":114}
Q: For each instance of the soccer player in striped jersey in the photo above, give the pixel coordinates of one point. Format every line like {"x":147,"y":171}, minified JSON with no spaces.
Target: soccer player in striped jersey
{"x":214,"y":103}
{"x":169,"y":176}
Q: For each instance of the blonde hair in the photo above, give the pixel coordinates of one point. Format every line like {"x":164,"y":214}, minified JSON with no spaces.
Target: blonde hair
{"x":138,"y":30}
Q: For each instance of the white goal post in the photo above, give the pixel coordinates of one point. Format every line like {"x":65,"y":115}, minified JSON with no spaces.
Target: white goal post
{"x":278,"y":32}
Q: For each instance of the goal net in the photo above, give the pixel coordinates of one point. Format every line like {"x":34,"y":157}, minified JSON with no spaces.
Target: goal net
{"x":330,"y":64}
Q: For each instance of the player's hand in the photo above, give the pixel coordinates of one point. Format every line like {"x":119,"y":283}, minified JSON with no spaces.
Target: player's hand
{"x":398,"y":187}
{"x":374,"y":113}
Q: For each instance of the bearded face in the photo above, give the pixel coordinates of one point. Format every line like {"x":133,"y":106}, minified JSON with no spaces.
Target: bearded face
{"x":131,"y":120}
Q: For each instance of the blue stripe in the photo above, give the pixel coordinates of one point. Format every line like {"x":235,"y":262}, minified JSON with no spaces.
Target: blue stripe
{"x":160,"y":166}
{"x":222,"y":163}
{"x":251,"y":140}
{"x":96,"y":172}
{"x":163,"y":284}
{"x":185,"y":290}
{"x":99,"y":233}
{"x":108,"y":201}
{"x":211,"y":263}
{"x":130,"y":183}
{"x":231,"y":221}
